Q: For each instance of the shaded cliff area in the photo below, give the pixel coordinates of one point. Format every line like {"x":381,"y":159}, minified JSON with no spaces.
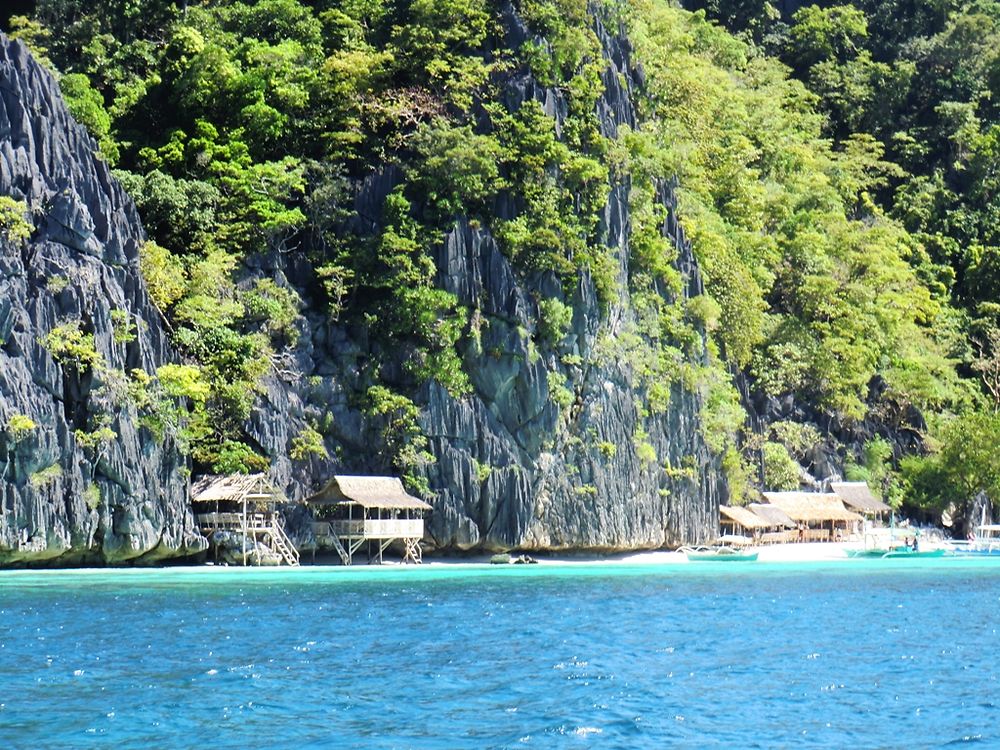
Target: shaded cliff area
{"x":82,"y":481}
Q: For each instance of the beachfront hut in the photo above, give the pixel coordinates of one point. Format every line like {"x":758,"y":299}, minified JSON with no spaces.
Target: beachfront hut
{"x":351,"y":511}
{"x":858,"y":497}
{"x":821,"y":516}
{"x":247,"y":505}
{"x":780,"y":528}
{"x":739,"y":522}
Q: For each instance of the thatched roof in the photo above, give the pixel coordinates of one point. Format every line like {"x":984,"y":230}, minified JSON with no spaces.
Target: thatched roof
{"x":234,"y":488}
{"x":857,"y":496}
{"x":774,"y":515}
{"x":811,"y":507}
{"x":369,"y":492}
{"x":744,"y":517}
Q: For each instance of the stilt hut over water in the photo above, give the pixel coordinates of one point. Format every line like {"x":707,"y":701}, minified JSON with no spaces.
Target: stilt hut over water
{"x":857,"y":496}
{"x":245,"y":504}
{"x":821,"y":516}
{"x":352,"y":511}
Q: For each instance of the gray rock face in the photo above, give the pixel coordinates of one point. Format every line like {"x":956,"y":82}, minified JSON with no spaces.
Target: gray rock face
{"x":513,"y":470}
{"x":124,"y":499}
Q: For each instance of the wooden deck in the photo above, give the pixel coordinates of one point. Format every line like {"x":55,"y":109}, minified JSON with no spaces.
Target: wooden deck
{"x":266,"y":528}
{"x":396,"y":528}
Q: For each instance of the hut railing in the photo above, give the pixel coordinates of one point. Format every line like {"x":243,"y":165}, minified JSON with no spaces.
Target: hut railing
{"x":234,"y":521}
{"x":373,"y":528}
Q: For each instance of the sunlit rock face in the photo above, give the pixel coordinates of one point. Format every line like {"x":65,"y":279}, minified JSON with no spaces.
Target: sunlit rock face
{"x":124,"y":499}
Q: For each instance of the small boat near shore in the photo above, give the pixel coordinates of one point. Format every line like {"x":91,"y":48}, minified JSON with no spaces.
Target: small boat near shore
{"x":896,"y":552}
{"x":914,"y":553}
{"x":985,"y":543}
{"x":718,"y":553}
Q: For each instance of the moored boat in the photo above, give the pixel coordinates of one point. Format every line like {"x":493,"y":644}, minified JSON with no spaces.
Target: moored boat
{"x":717,"y":554}
{"x":910,"y":552}
{"x":985,"y":543}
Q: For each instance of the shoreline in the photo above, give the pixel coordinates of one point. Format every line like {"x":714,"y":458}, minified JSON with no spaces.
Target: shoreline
{"x":789,"y":553}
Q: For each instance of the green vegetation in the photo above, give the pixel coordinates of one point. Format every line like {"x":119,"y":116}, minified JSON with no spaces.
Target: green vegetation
{"x":906,"y":94}
{"x":92,"y":496}
{"x":45,"y":476}
{"x":123,"y":327}
{"x":71,"y":347}
{"x":837,"y":175}
{"x":14,"y":227}
{"x":309,"y":442}
{"x":780,"y":470}
{"x":20,"y":426}
{"x":483,"y":470}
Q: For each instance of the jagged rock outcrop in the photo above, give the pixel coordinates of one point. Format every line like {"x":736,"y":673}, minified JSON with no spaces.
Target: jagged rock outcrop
{"x":65,"y":500}
{"x":513,"y":470}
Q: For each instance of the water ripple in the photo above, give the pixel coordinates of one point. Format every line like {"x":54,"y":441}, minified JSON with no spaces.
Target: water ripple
{"x":855,"y":656}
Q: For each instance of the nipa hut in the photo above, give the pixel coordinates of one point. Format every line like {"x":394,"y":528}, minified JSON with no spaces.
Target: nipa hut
{"x":780,"y":528}
{"x":246,"y":504}
{"x":857,"y":496}
{"x":821,"y":516}
{"x":739,"y":522}
{"x":352,"y":511}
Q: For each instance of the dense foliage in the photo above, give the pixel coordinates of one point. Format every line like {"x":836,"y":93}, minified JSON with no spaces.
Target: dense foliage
{"x":914,"y":86}
{"x":837,"y":173}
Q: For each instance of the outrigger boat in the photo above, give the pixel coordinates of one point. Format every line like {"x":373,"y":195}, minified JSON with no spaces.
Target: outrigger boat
{"x":893,"y":543}
{"x":986,"y":542}
{"x":717,"y":554}
{"x":910,"y":552}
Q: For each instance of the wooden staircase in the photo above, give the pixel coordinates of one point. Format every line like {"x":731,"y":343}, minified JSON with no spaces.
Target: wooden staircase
{"x":345,"y":558}
{"x":281,"y":543}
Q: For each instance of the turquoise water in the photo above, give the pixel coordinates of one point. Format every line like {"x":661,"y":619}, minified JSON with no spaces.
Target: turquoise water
{"x":863,"y":654}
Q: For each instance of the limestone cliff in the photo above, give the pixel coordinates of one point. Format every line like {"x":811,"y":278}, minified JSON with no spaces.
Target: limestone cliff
{"x":511,"y":469}
{"x":70,"y":494}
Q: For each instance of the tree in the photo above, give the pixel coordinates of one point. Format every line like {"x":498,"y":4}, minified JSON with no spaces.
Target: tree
{"x":824,"y":34}
{"x":967,"y":464}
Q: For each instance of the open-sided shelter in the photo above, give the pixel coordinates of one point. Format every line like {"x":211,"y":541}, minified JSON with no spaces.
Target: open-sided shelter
{"x":354,"y":510}
{"x":780,"y":528}
{"x":736,"y":520}
{"x":820,"y":515}
{"x":857,"y":496}
{"x":244,"y":503}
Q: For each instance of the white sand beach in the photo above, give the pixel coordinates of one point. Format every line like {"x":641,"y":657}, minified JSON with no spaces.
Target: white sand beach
{"x":790,"y":553}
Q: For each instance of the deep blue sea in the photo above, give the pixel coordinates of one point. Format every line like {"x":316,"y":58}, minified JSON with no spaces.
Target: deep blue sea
{"x":859,"y":654}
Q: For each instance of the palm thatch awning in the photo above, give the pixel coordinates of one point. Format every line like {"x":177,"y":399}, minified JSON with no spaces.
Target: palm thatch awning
{"x":811,"y":507}
{"x":368,"y":492}
{"x":743,"y":517}
{"x":774,"y":515}
{"x":255,"y":488}
{"x":857,"y":496}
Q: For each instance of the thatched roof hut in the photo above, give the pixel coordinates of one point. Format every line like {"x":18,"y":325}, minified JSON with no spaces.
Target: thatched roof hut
{"x":368,"y":492}
{"x":235,"y":488}
{"x":811,"y":507}
{"x":244,"y":504}
{"x":858,"y":497}
{"x":742,"y":517}
{"x":775,"y":516}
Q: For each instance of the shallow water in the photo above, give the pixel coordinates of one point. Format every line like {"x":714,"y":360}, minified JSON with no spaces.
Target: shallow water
{"x":869,"y":654}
